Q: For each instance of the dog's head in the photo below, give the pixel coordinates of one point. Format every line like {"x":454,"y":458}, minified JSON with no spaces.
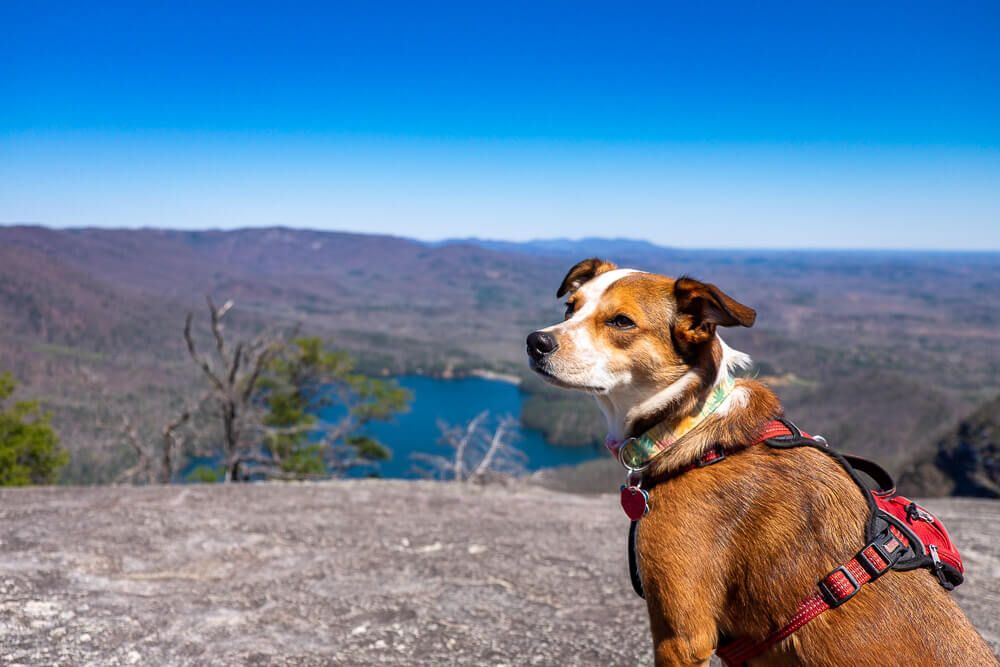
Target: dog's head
{"x":632,"y":334}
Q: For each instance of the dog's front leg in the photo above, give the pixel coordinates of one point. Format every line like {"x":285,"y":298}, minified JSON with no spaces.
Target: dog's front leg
{"x":682,"y":623}
{"x":677,"y":650}
{"x":682,"y":597}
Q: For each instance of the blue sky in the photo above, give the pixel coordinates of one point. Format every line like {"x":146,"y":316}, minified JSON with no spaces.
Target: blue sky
{"x":704,"y":125}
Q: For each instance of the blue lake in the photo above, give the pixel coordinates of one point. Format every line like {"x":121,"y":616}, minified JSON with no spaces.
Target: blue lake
{"x":456,"y":402}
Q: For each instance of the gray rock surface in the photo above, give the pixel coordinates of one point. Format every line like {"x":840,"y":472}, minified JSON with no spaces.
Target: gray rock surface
{"x":346,"y":573}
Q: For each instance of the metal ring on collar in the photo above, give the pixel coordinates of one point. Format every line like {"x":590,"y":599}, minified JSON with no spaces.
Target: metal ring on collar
{"x":621,"y":456}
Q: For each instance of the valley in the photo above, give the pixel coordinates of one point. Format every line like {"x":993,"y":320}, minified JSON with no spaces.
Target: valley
{"x":882,"y":352}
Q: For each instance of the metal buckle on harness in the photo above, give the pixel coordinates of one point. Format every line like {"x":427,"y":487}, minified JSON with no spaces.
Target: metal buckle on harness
{"x":828,"y":593}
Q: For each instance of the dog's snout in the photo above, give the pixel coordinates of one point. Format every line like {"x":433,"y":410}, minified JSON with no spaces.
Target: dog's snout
{"x":541,"y":344}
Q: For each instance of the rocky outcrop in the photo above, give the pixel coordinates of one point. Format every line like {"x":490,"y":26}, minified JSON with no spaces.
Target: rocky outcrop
{"x":346,"y":573}
{"x":965,"y":463}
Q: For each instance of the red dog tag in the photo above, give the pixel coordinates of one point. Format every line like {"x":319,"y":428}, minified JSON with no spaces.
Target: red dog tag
{"x":635,"y":502}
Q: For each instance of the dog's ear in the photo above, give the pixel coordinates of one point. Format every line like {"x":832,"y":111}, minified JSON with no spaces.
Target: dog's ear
{"x":581,"y":273}
{"x":703,"y":306}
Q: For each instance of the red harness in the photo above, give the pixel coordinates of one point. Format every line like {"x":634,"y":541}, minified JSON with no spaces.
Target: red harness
{"x":900,"y":535}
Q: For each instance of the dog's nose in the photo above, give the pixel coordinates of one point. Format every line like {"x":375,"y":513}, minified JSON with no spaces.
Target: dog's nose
{"x":541,"y":344}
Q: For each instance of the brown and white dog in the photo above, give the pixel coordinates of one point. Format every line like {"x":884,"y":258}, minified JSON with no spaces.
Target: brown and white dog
{"x":731,"y":550}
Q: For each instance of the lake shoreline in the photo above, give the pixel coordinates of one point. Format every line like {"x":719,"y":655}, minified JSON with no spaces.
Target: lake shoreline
{"x":454,"y":401}
{"x":487,"y":374}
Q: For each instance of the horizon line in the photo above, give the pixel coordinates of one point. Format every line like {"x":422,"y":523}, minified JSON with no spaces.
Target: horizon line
{"x":523,"y":242}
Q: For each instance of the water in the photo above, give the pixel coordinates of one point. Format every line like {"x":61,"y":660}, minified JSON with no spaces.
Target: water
{"x":456,"y":402}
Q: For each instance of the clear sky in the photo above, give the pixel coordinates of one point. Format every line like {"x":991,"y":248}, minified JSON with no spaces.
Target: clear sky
{"x":695,"y":124}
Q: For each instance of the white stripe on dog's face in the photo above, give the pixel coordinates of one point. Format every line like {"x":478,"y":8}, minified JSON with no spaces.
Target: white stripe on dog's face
{"x":588,"y":367}
{"x":591,"y":292}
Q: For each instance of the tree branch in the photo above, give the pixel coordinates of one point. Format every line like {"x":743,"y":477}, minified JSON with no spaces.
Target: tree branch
{"x":216,"y":315}
{"x":262,"y":358}
{"x":496,"y":443}
{"x":463,"y":443}
{"x":142,"y":464}
{"x":169,"y":442}
{"x":202,"y":362}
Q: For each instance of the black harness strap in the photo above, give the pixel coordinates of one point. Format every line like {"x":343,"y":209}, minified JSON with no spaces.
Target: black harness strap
{"x":633,"y":561}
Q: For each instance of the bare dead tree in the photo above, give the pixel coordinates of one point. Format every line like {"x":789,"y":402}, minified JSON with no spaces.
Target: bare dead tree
{"x":479,"y":452}
{"x":172,"y":441}
{"x":232,"y":376}
{"x":141,"y":471}
{"x":500,"y":453}
{"x":144,"y":470}
{"x":461,"y":439}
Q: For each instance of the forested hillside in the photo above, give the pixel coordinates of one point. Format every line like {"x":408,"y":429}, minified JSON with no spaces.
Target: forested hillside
{"x":881,"y":352}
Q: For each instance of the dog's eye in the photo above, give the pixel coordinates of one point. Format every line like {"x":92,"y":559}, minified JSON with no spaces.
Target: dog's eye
{"x":621,"y":322}
{"x":569,"y":310}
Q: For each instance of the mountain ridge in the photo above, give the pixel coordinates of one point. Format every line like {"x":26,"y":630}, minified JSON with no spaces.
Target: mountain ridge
{"x":82,"y":309}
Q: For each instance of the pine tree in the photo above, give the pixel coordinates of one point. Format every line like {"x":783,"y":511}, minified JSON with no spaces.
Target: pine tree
{"x":305,"y":380}
{"x":29,"y":447}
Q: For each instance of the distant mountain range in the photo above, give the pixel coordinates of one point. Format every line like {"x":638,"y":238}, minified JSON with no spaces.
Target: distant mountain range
{"x":859,"y":345}
{"x":580,"y":248}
